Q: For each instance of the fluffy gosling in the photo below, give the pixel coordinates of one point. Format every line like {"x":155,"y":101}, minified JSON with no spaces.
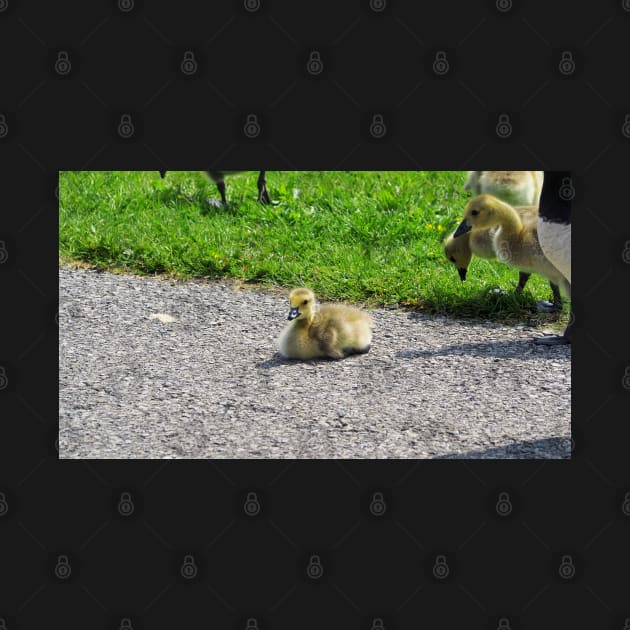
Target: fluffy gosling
{"x":330,"y":330}
{"x":515,"y":241}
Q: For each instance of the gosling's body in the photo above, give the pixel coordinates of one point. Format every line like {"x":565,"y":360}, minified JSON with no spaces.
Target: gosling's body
{"x":480,"y":242}
{"x":515,"y":241}
{"x":518,"y":188}
{"x":329,"y":330}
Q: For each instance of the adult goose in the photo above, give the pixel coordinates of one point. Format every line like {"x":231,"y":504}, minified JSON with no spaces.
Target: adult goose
{"x":554,"y":234}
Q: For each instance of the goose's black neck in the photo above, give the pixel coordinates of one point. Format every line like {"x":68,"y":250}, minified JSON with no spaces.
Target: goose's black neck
{"x":555,"y":199}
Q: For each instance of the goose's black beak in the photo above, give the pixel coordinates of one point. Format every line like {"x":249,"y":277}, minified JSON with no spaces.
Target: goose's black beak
{"x":462,"y":273}
{"x":463,"y":227}
{"x":293,"y":313}
{"x":162,"y":174}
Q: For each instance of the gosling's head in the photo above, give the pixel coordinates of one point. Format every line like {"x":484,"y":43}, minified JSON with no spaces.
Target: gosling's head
{"x":481,"y":212}
{"x":302,"y":304}
{"x":457,"y":250}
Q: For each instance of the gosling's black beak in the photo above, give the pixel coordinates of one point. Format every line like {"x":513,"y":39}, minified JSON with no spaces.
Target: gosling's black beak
{"x":293,"y":313}
{"x":462,"y":273}
{"x":464,"y":227}
{"x":162,"y":174}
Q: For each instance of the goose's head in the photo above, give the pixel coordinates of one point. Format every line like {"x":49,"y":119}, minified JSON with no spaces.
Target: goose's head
{"x":457,"y":250}
{"x":302,"y":304}
{"x":481,"y":212}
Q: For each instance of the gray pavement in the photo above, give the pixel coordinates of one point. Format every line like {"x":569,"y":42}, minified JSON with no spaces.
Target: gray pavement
{"x":206,"y":381}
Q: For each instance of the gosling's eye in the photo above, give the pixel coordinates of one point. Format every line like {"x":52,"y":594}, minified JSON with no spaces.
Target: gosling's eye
{"x":305,"y":302}
{"x":452,"y":259}
{"x":475,"y":213}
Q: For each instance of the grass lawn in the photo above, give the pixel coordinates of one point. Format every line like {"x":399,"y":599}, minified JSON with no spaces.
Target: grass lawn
{"x":366,"y":237}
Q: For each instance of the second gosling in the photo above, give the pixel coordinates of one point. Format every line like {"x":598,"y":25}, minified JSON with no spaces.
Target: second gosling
{"x":330,"y":330}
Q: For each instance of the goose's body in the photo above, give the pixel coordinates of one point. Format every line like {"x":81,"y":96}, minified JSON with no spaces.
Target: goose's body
{"x":515,"y":241}
{"x":518,"y":188}
{"x":330,"y":330}
{"x":480,"y":242}
{"x":554,"y":233}
{"x":218,"y":177}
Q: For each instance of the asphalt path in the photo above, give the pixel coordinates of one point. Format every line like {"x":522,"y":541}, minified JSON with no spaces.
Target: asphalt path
{"x":157,"y":368}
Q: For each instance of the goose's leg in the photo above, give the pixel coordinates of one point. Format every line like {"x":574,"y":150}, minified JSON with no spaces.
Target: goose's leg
{"x":523,"y":277}
{"x":544,"y":306}
{"x":263,"y":195}
{"x":218,"y":178}
{"x":557,"y":340}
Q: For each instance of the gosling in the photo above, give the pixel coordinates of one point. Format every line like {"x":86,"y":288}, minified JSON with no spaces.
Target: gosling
{"x":515,"y":242}
{"x":480,"y":243}
{"x":518,"y":188}
{"x":330,"y":330}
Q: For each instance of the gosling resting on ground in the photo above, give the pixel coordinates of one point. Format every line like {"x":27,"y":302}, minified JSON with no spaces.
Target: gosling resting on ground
{"x":515,"y":241}
{"x":518,"y":188}
{"x":330,"y":330}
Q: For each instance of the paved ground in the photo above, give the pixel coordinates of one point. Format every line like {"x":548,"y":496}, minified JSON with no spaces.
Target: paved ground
{"x":210,"y":384}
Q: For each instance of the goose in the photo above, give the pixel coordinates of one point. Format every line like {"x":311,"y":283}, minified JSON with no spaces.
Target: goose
{"x":330,"y":330}
{"x":480,"y":243}
{"x":554,"y":234}
{"x":515,"y":241}
{"x":518,"y":188}
{"x":218,"y":177}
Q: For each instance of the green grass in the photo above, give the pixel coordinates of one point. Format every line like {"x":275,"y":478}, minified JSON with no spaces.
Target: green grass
{"x":368,"y":237}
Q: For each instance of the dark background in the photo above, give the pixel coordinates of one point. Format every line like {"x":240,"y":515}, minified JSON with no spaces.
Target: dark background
{"x":313,"y":554}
